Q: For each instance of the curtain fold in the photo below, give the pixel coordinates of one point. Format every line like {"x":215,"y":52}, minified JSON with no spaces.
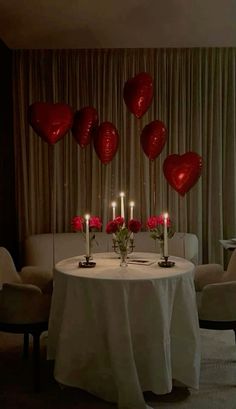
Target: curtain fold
{"x":194,"y":95}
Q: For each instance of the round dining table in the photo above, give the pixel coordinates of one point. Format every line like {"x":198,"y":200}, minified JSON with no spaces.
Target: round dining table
{"x":117,"y":332}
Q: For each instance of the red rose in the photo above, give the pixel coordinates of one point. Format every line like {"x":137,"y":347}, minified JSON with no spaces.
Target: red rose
{"x":134,"y":225}
{"x":95,"y":222}
{"x":160,"y":219}
{"x":77,"y":223}
{"x":119,"y":220}
{"x":152,"y":222}
{"x":112,"y":227}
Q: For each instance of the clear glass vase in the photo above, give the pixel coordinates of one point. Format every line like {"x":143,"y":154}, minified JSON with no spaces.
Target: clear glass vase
{"x":123,"y":246}
{"x":123,"y":257}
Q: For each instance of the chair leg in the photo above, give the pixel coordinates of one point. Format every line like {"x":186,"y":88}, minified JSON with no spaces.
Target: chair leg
{"x":36,"y":361}
{"x":26,"y":346}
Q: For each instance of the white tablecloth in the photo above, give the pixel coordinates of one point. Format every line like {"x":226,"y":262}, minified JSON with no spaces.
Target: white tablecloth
{"x":116,"y":332}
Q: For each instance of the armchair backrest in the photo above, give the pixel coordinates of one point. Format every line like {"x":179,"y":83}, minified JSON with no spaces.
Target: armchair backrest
{"x":8,"y":273}
{"x":230,"y":274}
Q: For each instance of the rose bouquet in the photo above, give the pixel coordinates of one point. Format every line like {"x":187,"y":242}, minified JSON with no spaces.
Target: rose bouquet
{"x":95,"y":224}
{"x":78,"y":223}
{"x":123,"y":235}
{"x":155,"y":225}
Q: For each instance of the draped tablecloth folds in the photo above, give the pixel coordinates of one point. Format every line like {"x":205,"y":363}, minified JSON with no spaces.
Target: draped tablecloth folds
{"x":117,"y":332}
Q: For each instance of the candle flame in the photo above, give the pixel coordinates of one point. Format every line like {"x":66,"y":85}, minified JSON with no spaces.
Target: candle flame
{"x":113,"y":204}
{"x":87,"y":217}
{"x":122,"y":194}
{"x":131,"y":204}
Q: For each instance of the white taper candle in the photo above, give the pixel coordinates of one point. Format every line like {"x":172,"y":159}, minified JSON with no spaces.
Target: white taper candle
{"x":87,"y":217}
{"x":113,"y":210}
{"x":131,"y":210}
{"x":165,"y":216}
{"x":122,"y":206}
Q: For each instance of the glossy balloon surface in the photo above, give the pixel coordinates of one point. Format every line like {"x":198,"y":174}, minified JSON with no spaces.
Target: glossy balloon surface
{"x":106,"y":141}
{"x":138,"y":93}
{"x":153,"y":139}
{"x":84,"y":124}
{"x":182,"y":171}
{"x":50,"y":121}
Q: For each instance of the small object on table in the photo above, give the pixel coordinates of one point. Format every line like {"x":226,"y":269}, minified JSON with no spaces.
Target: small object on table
{"x":87,"y":263}
{"x":166,"y":263}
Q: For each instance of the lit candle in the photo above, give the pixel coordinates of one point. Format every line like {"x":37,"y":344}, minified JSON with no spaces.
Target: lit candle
{"x":113,"y":210}
{"x":165,"y":235}
{"x":87,"y":217}
{"x":131,"y":210}
{"x":122,"y":206}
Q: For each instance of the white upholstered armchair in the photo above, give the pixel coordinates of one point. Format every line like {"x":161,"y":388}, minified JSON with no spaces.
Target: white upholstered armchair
{"x":216,"y":295}
{"x":25,"y":299}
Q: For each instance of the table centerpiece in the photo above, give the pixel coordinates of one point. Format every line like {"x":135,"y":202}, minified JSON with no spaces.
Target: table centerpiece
{"x":123,"y":236}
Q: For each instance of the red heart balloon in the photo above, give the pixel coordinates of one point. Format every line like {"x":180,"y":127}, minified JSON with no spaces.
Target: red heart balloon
{"x":106,"y":141}
{"x":153,"y":139}
{"x":138,"y":93}
{"x":85,"y":122}
{"x":50,"y":121}
{"x":182,"y":171}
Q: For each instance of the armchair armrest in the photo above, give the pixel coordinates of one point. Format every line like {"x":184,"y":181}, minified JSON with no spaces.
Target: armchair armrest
{"x":17,"y":288}
{"x":23,"y":303}
{"x":218,"y":302}
{"x":38,"y":277}
{"x":205,"y":274}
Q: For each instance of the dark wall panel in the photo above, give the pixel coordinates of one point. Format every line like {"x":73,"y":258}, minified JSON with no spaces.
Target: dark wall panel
{"x":8,"y":225}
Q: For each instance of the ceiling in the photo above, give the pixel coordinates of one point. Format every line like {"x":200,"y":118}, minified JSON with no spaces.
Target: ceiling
{"x":75,"y":24}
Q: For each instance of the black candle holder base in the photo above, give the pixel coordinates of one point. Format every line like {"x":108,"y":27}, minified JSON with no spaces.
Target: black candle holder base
{"x":166,"y":263}
{"x":87,"y":263}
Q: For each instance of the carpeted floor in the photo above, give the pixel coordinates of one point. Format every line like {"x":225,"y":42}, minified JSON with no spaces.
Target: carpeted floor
{"x":217,"y":383}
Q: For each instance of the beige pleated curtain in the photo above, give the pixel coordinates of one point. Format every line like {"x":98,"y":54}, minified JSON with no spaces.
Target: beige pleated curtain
{"x":194,"y":95}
